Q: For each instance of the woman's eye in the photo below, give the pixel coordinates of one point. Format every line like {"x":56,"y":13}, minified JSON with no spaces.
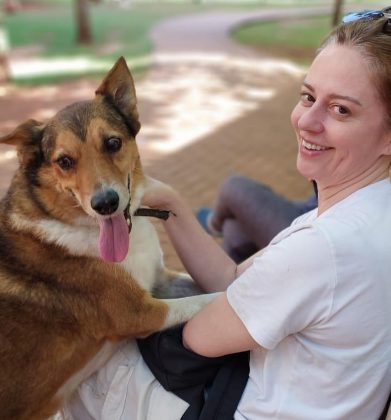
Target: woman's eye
{"x":113,"y":144}
{"x":340,"y":110}
{"x":66,"y":163}
{"x":307,"y":98}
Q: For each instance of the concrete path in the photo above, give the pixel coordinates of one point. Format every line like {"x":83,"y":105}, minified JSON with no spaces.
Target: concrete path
{"x":209,"y":32}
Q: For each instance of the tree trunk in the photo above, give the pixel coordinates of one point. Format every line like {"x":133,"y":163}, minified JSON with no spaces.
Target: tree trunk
{"x":11,"y":6}
{"x":84,"y":35}
{"x":337,"y":12}
{"x":4,"y":47}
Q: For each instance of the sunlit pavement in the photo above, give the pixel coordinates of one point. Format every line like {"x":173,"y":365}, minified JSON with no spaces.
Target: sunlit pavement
{"x":209,"y":108}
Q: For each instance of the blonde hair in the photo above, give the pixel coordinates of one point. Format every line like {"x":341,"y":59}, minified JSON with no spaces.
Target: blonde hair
{"x":373,"y":39}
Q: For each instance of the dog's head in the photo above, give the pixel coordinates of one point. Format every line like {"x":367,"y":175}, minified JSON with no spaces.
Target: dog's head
{"x":85,"y":160}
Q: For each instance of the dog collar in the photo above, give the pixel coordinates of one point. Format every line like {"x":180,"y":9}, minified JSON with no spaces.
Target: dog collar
{"x":158,"y":213}
{"x":127,"y":210}
{"x":143,"y":211}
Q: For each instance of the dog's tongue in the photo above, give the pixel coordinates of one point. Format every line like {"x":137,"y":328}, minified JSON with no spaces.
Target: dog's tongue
{"x":113,"y":239}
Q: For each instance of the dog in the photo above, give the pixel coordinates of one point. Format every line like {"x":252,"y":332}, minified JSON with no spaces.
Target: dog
{"x":73,"y":281}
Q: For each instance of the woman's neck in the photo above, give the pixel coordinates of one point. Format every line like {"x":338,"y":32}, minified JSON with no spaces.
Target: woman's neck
{"x":332,"y":194}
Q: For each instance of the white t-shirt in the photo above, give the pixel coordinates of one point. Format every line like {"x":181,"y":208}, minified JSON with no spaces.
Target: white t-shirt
{"x":318,"y":301}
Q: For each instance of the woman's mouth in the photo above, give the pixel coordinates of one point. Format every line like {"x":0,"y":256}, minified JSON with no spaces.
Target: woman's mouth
{"x":311,"y":146}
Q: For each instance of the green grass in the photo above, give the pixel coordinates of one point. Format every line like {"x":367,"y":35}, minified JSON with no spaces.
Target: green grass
{"x":299,"y":32}
{"x":115,"y":31}
{"x":54,"y":28}
{"x":296,"y":39}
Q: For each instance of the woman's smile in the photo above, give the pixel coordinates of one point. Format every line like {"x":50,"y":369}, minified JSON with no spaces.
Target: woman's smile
{"x":313,"y":147}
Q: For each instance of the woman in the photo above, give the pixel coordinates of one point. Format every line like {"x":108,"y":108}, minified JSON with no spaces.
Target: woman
{"x":313,"y":308}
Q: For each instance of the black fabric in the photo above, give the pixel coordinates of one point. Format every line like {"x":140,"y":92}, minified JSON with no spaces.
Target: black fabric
{"x":192,"y":377}
{"x":386,"y":408}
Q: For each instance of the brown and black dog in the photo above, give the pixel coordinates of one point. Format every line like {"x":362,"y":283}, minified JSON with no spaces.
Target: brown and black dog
{"x":71,"y":284}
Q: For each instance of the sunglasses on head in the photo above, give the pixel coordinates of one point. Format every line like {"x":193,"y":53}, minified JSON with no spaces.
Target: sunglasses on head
{"x":370,"y":15}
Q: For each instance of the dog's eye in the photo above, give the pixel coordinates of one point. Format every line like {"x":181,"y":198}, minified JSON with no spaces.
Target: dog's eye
{"x":113,"y":144}
{"x":66,"y":163}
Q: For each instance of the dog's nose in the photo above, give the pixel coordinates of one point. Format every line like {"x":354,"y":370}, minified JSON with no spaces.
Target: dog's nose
{"x":105,"y":202}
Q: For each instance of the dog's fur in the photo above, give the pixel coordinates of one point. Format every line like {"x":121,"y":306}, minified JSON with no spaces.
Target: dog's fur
{"x":63,"y":308}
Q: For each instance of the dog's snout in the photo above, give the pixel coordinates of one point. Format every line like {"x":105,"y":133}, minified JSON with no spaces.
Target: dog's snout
{"x":105,"y":202}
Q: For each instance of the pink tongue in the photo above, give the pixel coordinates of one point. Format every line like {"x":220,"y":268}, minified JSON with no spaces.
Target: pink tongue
{"x":113,"y":239}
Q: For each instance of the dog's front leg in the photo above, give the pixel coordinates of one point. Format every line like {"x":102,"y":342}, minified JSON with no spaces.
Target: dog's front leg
{"x":132,"y":312}
{"x":181,"y":310}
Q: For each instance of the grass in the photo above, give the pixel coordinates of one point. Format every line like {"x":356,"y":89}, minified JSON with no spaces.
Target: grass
{"x":296,"y":39}
{"x":54,"y":28}
{"x":116,"y":32}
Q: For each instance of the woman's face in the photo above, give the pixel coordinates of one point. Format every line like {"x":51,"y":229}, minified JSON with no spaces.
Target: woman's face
{"x":340,"y":120}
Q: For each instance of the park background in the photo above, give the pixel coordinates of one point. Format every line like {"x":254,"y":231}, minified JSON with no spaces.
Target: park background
{"x":216,"y":80}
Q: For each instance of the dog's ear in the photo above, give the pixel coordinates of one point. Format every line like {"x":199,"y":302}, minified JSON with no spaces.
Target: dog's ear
{"x":24,"y":134}
{"x":26,"y":137}
{"x":118,"y":87}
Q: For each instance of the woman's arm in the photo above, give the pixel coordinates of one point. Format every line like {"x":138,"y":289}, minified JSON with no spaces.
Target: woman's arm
{"x":216,"y":330}
{"x":203,"y":258}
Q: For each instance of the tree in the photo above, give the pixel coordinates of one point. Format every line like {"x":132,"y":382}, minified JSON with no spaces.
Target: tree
{"x":337,"y":12}
{"x":84,"y":33}
{"x":83,"y":27}
{"x":4,"y":47}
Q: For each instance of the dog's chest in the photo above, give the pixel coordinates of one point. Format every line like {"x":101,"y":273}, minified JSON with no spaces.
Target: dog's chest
{"x":145,"y":258}
{"x":144,"y":261}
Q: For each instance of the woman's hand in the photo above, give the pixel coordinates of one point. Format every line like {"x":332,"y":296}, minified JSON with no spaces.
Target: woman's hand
{"x":159,"y":195}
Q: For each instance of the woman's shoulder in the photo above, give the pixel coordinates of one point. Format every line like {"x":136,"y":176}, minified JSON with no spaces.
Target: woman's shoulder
{"x":366,"y":209}
{"x":357,"y":227}
{"x":366,"y":212}
{"x":345,"y":231}
{"x":302,"y":245}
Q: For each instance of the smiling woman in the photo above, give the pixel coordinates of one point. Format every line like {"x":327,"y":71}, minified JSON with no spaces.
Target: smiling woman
{"x":342,"y":127}
{"x":344,"y":142}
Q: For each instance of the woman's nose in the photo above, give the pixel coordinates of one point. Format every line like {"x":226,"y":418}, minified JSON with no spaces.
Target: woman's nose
{"x":311,"y":119}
